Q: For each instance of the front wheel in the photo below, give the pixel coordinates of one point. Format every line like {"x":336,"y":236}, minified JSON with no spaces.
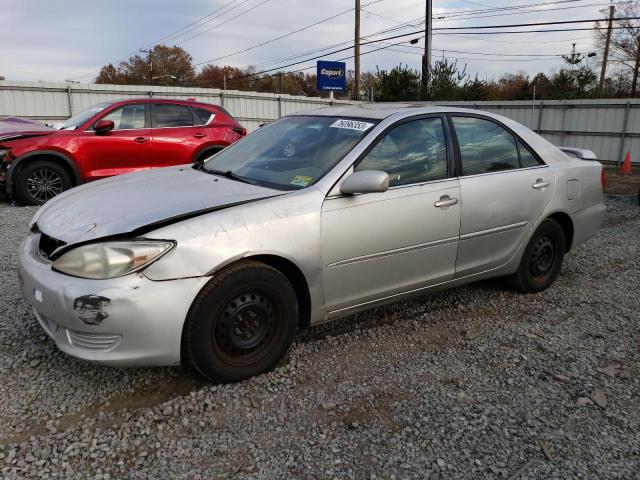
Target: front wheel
{"x":241,"y":324}
{"x":542,"y":259}
{"x":40,"y":181}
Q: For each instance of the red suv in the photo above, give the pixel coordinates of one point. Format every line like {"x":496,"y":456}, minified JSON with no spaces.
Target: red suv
{"x":111,"y":138}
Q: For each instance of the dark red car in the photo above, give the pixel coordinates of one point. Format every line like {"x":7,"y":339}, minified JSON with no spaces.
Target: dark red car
{"x":111,"y":138}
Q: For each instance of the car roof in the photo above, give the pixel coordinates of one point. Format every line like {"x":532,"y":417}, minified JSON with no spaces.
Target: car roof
{"x":380,"y":111}
{"x":159,"y":99}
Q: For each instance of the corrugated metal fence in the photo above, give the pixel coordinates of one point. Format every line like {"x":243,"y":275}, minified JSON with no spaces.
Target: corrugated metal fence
{"x":55,"y":102}
{"x":608,"y":127}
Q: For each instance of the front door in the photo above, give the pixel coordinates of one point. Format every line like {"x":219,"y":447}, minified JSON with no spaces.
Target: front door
{"x":505,"y":188}
{"x":124,"y":149}
{"x":378,"y":245}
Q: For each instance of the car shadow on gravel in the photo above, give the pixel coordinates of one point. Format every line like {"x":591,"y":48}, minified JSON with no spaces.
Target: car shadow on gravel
{"x":438,"y":302}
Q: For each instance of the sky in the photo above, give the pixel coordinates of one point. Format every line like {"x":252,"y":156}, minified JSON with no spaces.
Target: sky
{"x":72,"y":39}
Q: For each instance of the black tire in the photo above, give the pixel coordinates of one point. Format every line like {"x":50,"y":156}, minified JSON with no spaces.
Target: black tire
{"x":241,"y":324}
{"x":41,"y":180}
{"x":542,"y":259}
{"x":204,"y":155}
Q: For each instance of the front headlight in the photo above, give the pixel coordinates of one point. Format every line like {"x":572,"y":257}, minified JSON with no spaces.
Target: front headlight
{"x":108,"y":260}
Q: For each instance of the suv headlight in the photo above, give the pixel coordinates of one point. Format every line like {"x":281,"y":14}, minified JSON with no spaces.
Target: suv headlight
{"x":100,"y":261}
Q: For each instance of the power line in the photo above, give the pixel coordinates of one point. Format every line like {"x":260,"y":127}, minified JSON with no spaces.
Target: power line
{"x":266,"y":42}
{"x":223,"y":23}
{"x":182,"y":31}
{"x":445,"y":28}
{"x":173,"y":36}
{"x":560,"y":22}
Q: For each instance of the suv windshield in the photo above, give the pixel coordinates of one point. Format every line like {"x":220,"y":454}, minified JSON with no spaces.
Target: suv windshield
{"x":290,"y":153}
{"x":80,"y":118}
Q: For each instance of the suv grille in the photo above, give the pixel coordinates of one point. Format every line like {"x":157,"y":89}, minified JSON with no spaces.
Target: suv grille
{"x":48,"y":245}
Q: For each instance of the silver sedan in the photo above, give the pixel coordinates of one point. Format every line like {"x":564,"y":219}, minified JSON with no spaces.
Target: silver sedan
{"x":312,"y":217}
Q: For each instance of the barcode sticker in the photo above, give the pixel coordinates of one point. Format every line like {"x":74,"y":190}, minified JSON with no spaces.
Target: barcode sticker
{"x":352,"y":125}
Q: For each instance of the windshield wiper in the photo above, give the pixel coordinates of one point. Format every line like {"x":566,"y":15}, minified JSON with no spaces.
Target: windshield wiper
{"x":228,"y":174}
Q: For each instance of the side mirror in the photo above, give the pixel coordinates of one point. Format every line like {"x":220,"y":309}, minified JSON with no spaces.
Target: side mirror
{"x":103,"y":126}
{"x":365,"y":181}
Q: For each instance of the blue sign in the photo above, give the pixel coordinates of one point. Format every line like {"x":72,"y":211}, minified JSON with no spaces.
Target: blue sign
{"x":331,"y":76}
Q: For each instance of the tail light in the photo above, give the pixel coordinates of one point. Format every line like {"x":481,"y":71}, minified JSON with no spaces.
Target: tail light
{"x":603,"y":179}
{"x":240,"y":131}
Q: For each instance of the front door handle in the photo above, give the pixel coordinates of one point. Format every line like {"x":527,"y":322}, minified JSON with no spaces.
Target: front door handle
{"x":198,"y":135}
{"x":140,"y":139}
{"x":540,"y":184}
{"x":445,"y":201}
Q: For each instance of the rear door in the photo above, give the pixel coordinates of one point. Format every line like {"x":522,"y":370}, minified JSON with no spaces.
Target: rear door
{"x":177,"y":133}
{"x":504,"y":186}
{"x":377,"y":245}
{"x":124,"y":149}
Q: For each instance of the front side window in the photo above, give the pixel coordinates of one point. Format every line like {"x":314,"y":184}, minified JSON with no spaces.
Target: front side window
{"x":484,"y":146}
{"x":412,"y":152}
{"x":291,"y":153}
{"x":169,"y":115}
{"x":129,"y":117}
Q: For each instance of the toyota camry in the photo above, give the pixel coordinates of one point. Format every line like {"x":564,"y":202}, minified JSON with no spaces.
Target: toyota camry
{"x":312,"y":217}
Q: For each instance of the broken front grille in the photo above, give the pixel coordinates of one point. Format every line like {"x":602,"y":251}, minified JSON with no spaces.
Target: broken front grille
{"x":48,"y":245}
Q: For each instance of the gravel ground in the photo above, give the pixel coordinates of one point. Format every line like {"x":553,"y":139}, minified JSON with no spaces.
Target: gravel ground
{"x":477,"y":382}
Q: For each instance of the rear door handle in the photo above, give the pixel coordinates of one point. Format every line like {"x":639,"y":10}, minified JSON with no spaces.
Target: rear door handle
{"x":198,"y":135}
{"x":445,"y":201}
{"x":540,"y":184}
{"x":140,"y":139}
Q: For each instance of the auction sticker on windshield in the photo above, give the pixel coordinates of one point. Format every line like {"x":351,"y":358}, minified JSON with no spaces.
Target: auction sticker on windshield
{"x":301,"y":180}
{"x":352,"y":125}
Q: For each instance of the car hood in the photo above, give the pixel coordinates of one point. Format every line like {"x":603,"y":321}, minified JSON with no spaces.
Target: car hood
{"x":139,"y":202}
{"x":13,"y":128}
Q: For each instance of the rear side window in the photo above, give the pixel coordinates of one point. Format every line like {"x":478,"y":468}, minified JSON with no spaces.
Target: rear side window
{"x":169,"y":115}
{"x":484,"y":146}
{"x":527,"y":159}
{"x":202,"y":116}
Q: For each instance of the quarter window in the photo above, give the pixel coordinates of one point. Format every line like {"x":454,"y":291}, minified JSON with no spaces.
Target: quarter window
{"x":128,"y":117}
{"x":169,"y":115}
{"x":413,"y":152}
{"x":527,"y":159}
{"x":202,"y":116}
{"x":484,"y":146}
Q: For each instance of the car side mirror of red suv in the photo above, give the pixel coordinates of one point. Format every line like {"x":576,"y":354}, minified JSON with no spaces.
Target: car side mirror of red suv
{"x":103,"y":126}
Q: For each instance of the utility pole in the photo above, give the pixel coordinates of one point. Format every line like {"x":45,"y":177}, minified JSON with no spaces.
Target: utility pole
{"x":605,"y":55}
{"x":634,"y":83}
{"x":356,"y":51}
{"x":148,"y":52}
{"x":426,"y":58}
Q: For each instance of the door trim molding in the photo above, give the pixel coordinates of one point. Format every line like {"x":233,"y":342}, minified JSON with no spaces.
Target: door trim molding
{"x":396,"y":251}
{"x":491,"y":231}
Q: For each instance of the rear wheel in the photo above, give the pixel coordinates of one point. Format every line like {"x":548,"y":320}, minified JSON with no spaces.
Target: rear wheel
{"x":41,"y":180}
{"x":242,"y":323}
{"x":542,"y":259}
{"x":209,"y":153}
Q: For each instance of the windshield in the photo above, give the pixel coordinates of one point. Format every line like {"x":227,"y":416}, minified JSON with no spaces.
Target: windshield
{"x":80,"y":118}
{"x":290,"y":153}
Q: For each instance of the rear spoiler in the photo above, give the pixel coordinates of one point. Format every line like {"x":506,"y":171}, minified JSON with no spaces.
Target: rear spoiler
{"x":581,"y":153}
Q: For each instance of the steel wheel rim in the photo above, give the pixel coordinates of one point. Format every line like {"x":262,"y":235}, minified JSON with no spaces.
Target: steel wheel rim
{"x":246,"y":328}
{"x":543,"y":256}
{"x":44,"y":184}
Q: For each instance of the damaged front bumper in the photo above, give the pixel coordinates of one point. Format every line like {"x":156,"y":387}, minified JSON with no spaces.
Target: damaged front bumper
{"x":125,"y":321}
